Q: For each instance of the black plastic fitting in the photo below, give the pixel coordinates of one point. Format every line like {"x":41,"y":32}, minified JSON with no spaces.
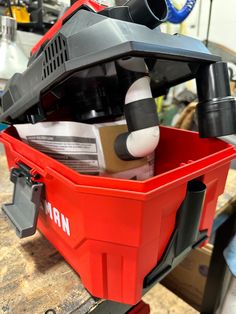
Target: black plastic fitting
{"x":148,"y":12}
{"x":216,"y":109}
{"x":188,"y":216}
{"x":121,"y":147}
{"x":141,"y":114}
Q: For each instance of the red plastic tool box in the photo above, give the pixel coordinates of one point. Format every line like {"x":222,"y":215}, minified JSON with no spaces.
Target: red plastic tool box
{"x":114,"y":232}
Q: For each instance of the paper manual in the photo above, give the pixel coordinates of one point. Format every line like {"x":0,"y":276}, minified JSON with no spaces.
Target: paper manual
{"x":87,"y":149}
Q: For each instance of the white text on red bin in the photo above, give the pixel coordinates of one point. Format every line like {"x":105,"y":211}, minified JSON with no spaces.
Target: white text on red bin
{"x":57,"y":217}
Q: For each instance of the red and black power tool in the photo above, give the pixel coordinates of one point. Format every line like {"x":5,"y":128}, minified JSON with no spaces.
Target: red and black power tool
{"x":96,"y":64}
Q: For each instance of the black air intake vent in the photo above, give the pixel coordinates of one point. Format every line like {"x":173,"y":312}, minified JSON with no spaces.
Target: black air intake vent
{"x":55,"y":56}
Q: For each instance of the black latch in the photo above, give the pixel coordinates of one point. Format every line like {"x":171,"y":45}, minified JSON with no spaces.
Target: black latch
{"x":24,"y":209}
{"x":23,"y":171}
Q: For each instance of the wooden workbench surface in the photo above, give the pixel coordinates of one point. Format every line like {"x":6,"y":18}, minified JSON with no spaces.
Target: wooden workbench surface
{"x":34,"y":278}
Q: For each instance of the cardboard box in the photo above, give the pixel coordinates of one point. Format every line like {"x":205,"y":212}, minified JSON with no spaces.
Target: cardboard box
{"x":188,"y":279}
{"x":140,"y":169}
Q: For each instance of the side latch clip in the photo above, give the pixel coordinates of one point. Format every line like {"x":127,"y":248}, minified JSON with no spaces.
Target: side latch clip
{"x":24,"y":209}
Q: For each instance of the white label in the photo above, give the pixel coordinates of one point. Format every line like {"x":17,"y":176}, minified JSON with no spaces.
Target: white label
{"x":76,"y":145}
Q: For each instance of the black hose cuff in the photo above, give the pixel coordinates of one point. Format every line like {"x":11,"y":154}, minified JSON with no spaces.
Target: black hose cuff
{"x":121,"y":147}
{"x":217,"y":117}
{"x":141,"y":114}
{"x":216,"y":109}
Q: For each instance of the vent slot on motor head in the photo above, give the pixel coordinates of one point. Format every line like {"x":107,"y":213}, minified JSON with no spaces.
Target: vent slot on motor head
{"x":55,"y":55}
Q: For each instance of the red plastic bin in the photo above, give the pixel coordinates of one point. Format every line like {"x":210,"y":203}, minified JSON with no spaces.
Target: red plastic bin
{"x":113,"y":232}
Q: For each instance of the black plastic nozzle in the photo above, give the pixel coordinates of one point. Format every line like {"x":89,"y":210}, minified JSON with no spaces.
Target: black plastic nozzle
{"x":216,"y":109}
{"x":188,"y":216}
{"x":148,"y":12}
